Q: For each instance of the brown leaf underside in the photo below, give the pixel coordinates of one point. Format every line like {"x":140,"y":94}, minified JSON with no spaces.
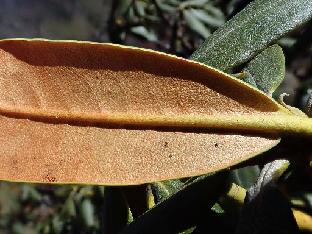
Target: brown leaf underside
{"x":52,"y":91}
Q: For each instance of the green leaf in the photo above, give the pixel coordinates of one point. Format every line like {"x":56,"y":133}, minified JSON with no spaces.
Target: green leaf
{"x":140,"y":8}
{"x":164,"y":6}
{"x":267,"y":70}
{"x":245,"y":176}
{"x":214,"y":11}
{"x":193,"y":3}
{"x":195,"y":24}
{"x":204,"y":17}
{"x":182,"y":210}
{"x":30,"y":192}
{"x":141,"y":31}
{"x":123,"y":6}
{"x":217,"y":208}
{"x":9,"y":200}
{"x":250,"y":31}
{"x":188,"y":231}
{"x":69,"y":208}
{"x":57,"y":224}
{"x":87,"y":213}
{"x":164,"y":189}
{"x":174,"y":2}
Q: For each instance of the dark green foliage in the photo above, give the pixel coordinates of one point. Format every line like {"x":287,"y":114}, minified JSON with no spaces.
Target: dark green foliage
{"x":184,"y":209}
{"x":267,"y":213}
{"x":250,"y":31}
{"x":114,"y":210}
{"x":266,"y":209}
{"x":171,"y":26}
{"x":246,"y":176}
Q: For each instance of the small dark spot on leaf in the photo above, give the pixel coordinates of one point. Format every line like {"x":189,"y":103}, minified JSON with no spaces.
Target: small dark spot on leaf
{"x":50,"y":178}
{"x":170,"y":155}
{"x":166,"y":144}
{"x":216,"y":145}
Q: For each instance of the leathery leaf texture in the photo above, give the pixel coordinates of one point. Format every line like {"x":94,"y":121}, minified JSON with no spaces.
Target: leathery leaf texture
{"x":89,"y":113}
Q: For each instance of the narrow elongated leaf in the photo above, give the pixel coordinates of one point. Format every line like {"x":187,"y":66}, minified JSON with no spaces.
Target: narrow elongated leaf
{"x":144,"y":33}
{"x":193,"y":3}
{"x":165,"y":189}
{"x":195,"y":24}
{"x":251,"y":30}
{"x":204,"y":17}
{"x":105,"y":114}
{"x":182,"y":210}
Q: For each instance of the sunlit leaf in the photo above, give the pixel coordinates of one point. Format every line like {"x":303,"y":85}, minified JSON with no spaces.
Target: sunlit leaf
{"x":106,"y":114}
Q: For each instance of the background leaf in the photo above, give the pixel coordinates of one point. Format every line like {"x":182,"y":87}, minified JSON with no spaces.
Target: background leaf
{"x":182,"y":210}
{"x":204,"y":17}
{"x":266,"y":209}
{"x":165,"y":189}
{"x":195,"y":24}
{"x":250,"y":31}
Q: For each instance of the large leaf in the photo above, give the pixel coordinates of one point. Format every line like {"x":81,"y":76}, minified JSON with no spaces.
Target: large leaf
{"x":250,"y":31}
{"x":105,"y":114}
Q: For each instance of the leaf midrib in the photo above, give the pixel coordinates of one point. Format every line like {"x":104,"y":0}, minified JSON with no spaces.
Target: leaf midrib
{"x":280,"y":123}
